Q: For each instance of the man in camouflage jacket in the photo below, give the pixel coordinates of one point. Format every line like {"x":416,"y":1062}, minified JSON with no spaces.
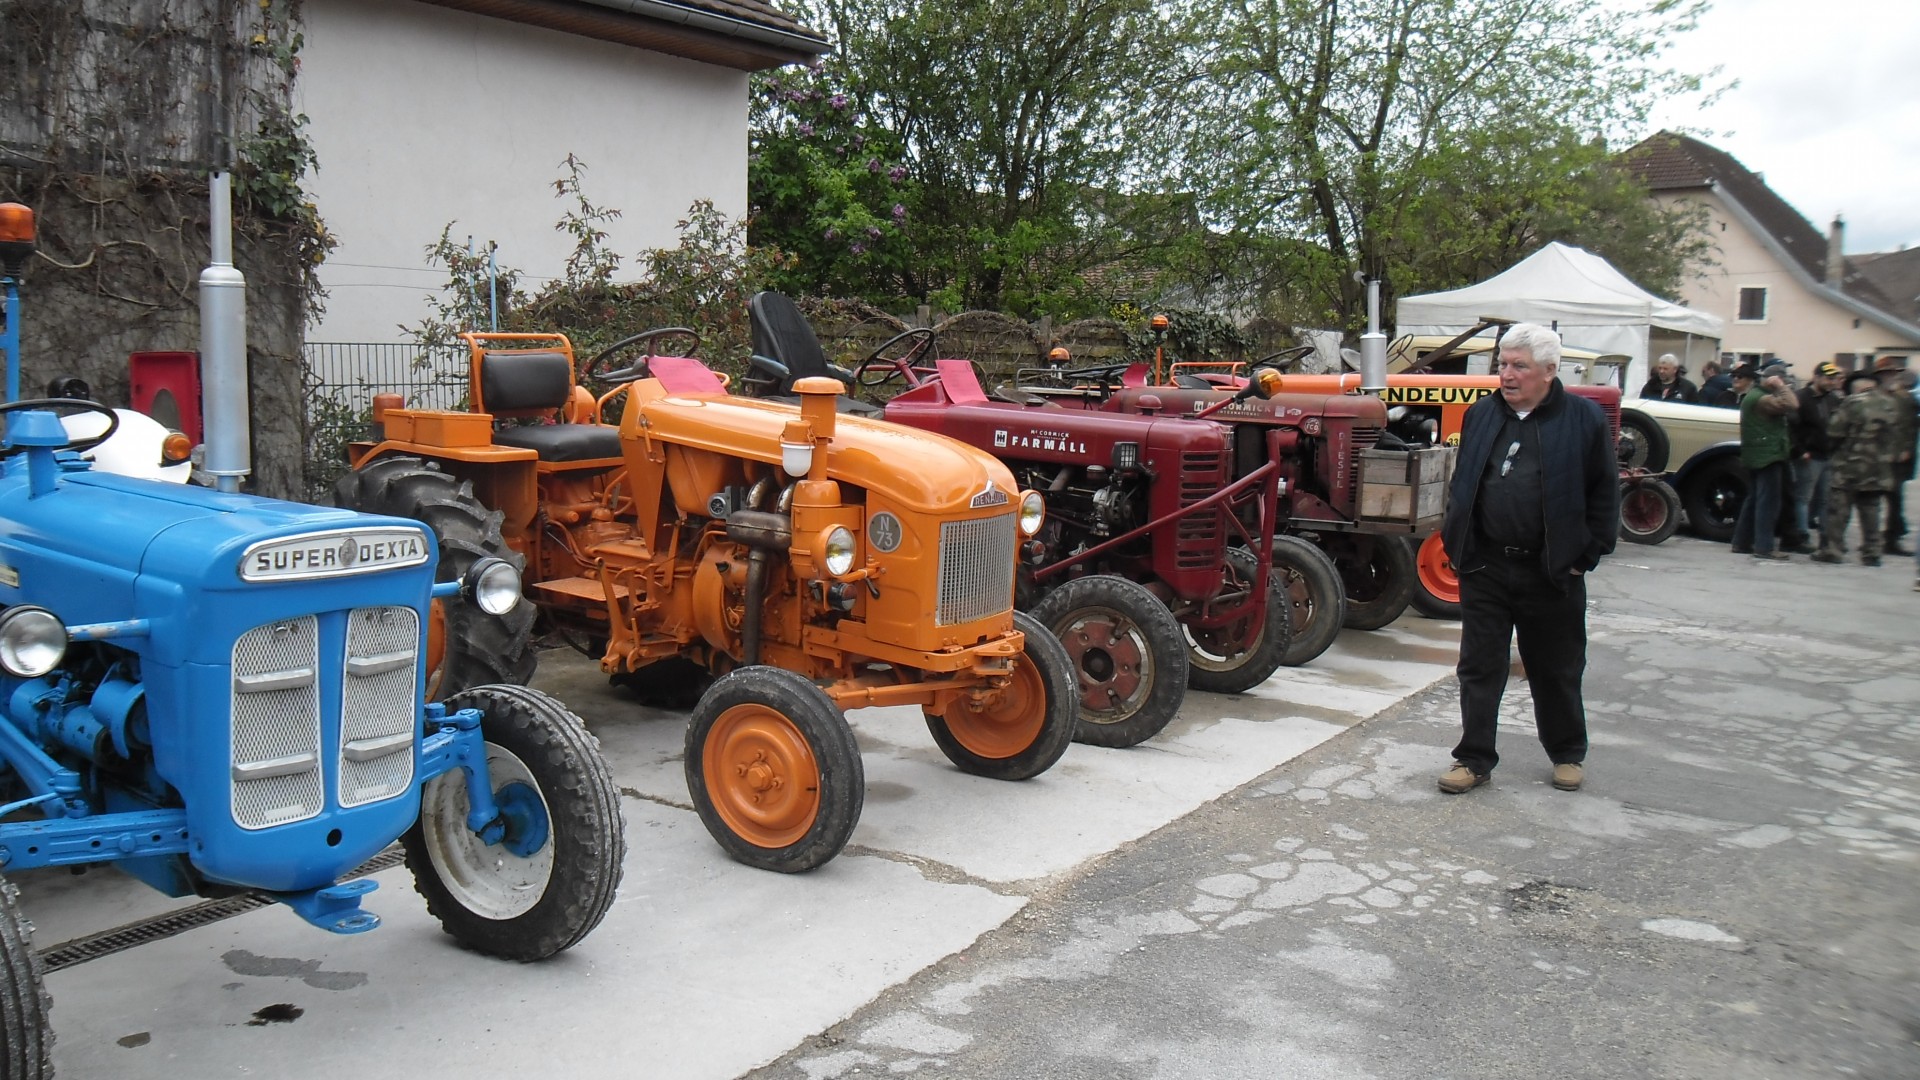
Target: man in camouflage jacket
{"x":1870,"y":436}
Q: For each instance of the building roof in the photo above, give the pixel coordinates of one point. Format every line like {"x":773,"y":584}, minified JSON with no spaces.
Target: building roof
{"x":749,"y":35}
{"x":1897,"y":275}
{"x":1669,"y":162}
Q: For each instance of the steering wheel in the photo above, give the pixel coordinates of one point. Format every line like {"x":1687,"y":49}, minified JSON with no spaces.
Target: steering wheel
{"x":1284,"y":359}
{"x":80,"y":404}
{"x":894,"y":367}
{"x":590,"y":371}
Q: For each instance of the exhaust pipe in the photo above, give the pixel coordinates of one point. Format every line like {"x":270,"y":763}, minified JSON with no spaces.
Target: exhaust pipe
{"x":1373,"y":345}
{"x":223,"y":347}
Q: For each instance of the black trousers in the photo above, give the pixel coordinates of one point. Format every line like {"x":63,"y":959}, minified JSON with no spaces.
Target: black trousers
{"x":1496,"y":600}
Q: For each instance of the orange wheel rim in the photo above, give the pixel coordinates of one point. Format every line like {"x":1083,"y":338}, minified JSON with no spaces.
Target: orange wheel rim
{"x":436,"y":644}
{"x":1011,"y":724}
{"x":761,"y":776}
{"x":1437,"y":575}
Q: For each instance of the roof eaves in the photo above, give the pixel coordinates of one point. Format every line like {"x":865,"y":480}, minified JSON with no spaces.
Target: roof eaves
{"x":1819,"y":288}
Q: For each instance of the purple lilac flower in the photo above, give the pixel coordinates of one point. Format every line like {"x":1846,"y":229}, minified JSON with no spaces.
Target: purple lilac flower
{"x":899,"y":212}
{"x":873,"y":231}
{"x":873,"y":165}
{"x":806,"y":130}
{"x":833,"y":234}
{"x":857,"y":247}
{"x":838,"y":101}
{"x":897,"y":173}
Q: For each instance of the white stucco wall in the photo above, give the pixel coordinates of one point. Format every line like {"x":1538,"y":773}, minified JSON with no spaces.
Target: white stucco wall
{"x":1801,"y":327}
{"x":421,"y":116}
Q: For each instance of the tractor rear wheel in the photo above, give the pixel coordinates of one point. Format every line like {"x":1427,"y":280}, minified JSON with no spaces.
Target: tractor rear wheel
{"x":1436,"y":589}
{"x":1239,"y":656}
{"x":1649,"y":511}
{"x":27,"y":1052}
{"x":773,"y":770}
{"x":1128,"y":654}
{"x":466,"y":647}
{"x":1378,"y":574}
{"x":551,"y":877}
{"x":1033,"y":723}
{"x":1315,"y":598}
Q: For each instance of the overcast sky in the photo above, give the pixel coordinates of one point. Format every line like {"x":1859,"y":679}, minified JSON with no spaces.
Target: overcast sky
{"x":1827,"y":107}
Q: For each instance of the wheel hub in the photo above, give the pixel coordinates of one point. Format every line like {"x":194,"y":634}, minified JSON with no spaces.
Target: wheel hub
{"x":1108,"y":658}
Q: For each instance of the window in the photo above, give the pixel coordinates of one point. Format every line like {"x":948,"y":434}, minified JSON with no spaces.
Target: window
{"x":1753,"y":303}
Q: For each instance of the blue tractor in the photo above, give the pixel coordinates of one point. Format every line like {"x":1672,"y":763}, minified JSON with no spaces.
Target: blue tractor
{"x":224,"y":694}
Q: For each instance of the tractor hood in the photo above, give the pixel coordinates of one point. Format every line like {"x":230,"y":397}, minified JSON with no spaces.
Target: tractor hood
{"x":913,"y":469}
{"x":102,"y":548}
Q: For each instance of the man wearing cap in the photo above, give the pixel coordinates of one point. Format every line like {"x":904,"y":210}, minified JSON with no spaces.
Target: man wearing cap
{"x":1667,"y":383}
{"x":1764,"y":405}
{"x":1866,"y":434}
{"x":1812,"y":448}
{"x":1533,"y":506}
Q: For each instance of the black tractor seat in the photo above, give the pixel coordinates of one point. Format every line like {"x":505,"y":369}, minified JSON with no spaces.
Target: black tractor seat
{"x":537,"y":385}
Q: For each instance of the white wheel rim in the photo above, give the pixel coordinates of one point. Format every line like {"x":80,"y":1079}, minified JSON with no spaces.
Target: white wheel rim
{"x":486,"y":879}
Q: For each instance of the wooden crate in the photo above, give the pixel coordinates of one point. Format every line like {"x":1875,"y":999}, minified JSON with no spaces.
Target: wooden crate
{"x":1405,"y":487}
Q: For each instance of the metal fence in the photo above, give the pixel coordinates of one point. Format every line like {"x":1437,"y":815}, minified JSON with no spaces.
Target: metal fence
{"x":343,"y":377}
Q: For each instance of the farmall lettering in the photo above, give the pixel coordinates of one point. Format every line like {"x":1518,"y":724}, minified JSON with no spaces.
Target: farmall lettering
{"x":1058,"y":442}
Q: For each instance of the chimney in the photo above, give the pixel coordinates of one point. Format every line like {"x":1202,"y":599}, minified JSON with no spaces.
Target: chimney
{"x":1836,"y":260}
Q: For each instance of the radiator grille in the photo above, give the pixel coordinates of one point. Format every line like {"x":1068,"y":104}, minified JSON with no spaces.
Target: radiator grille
{"x":378,"y":704}
{"x":276,"y":723}
{"x":1364,"y":438}
{"x":976,"y":569}
{"x":1198,"y":534}
{"x":1612,"y":409}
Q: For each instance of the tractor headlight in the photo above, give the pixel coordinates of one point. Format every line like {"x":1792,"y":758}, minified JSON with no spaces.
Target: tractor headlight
{"x":1033,"y":512}
{"x":836,"y":550}
{"x":493,"y":585}
{"x":33,"y":641}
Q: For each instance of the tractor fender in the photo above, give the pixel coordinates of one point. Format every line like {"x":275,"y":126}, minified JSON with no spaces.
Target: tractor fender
{"x":1701,"y":460}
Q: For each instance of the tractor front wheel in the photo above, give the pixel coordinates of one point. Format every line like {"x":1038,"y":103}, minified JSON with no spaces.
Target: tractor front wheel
{"x":1649,"y":511}
{"x":465,"y":646}
{"x":1030,"y":726}
{"x":550,"y":877}
{"x":773,"y":770}
{"x":1436,"y":589}
{"x":27,"y":1053}
{"x":1315,"y":597}
{"x":1239,"y":656}
{"x":1378,"y":575}
{"x":1128,"y":655}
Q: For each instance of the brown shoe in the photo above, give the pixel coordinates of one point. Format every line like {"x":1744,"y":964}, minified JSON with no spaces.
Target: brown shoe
{"x":1568,"y":776}
{"x":1460,"y":778}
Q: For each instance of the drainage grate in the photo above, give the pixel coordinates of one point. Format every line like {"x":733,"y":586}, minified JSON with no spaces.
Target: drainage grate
{"x":94,"y":946}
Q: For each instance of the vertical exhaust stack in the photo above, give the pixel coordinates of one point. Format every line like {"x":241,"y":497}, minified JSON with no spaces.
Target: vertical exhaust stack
{"x":223,"y":348}
{"x":1373,"y":345}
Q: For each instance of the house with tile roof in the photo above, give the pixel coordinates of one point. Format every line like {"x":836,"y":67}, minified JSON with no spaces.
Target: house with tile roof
{"x":1784,"y":289}
{"x":429,"y":113}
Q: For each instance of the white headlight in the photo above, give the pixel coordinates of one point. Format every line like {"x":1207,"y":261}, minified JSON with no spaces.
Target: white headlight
{"x":494,"y":585}
{"x":33,"y":641}
{"x":836,"y":550}
{"x":1033,"y":512}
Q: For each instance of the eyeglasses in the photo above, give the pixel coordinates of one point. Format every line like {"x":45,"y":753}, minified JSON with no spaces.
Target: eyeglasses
{"x":1507,"y":465}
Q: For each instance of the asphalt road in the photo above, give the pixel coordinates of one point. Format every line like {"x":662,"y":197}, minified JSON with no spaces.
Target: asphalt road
{"x":1271,"y":888}
{"x":1732,"y":895}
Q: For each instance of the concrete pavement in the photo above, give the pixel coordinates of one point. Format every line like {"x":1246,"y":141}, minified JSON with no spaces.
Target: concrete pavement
{"x":704,"y":969}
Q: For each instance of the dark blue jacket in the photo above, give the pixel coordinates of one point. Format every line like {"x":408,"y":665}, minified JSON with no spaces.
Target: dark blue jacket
{"x":1580,"y":480}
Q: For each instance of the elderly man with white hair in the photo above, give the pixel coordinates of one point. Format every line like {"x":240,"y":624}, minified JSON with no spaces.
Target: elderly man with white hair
{"x":1669,"y":382}
{"x":1534,"y":506}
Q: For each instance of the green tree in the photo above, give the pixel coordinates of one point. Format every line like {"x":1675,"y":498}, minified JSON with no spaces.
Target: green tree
{"x":1427,"y":142}
{"x":1018,"y":128}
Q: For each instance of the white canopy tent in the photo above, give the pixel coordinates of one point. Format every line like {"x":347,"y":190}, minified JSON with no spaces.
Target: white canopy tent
{"x":1581,"y":295}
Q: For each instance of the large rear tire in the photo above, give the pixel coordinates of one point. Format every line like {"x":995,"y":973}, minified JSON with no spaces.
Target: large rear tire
{"x":1713,"y":498}
{"x":1643,"y":442}
{"x":24,"y":1002}
{"x":1378,"y":588}
{"x":1436,"y":587}
{"x":1315,"y":599}
{"x":551,"y":878}
{"x":1649,"y":511}
{"x":773,"y":770}
{"x":1240,"y":656}
{"x":466,"y":647}
{"x":1128,"y":655}
{"x":1034,"y":722}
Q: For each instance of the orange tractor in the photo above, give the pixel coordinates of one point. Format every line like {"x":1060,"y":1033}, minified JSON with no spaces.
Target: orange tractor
{"x":805,"y":561}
